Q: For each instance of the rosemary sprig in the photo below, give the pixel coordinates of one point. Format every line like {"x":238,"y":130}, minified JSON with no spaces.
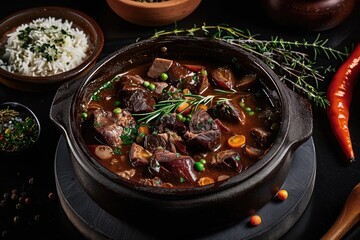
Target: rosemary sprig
{"x":287,"y":58}
{"x":170,"y":106}
{"x":161,"y":108}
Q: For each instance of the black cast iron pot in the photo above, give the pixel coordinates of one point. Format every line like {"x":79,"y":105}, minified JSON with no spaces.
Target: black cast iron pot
{"x":207,"y":207}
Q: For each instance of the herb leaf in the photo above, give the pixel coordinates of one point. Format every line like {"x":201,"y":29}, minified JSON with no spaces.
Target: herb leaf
{"x":289,"y":59}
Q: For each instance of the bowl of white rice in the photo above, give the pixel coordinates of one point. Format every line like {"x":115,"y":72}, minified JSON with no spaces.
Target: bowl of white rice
{"x":41,"y":48}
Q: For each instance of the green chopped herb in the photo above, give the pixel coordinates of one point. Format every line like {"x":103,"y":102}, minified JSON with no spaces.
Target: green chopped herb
{"x":129,"y":135}
{"x":117,"y":150}
{"x":16,"y":133}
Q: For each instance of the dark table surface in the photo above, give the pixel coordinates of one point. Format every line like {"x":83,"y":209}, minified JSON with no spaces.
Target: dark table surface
{"x":334,"y":178}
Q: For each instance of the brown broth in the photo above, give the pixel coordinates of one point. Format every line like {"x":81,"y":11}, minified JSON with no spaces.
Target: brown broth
{"x":120,"y":162}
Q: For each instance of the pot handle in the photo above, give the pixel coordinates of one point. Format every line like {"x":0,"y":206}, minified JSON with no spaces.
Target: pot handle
{"x":61,"y":104}
{"x":301,"y":119}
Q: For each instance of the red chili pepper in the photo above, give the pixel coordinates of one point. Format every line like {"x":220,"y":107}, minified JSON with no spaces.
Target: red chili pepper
{"x":339,"y":94}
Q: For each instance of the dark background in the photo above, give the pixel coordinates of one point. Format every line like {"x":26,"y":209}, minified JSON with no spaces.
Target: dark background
{"x":334,"y":178}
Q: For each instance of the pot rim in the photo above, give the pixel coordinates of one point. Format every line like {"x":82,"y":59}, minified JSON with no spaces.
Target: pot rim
{"x":272,"y":159}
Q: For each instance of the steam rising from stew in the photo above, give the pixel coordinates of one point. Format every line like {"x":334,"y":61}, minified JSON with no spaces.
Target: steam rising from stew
{"x":179,"y":124}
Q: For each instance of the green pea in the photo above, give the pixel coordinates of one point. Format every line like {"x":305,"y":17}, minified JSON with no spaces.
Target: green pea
{"x":146,"y":84}
{"x":117,"y":111}
{"x":117,"y":103}
{"x":84,"y":115}
{"x":248,"y":109}
{"x":151,"y":87}
{"x":242,"y":104}
{"x":203,"y":161}
{"x":257,"y":109}
{"x":199,"y":166}
{"x":180,"y":117}
{"x":251,"y":113}
{"x":164,"y":76}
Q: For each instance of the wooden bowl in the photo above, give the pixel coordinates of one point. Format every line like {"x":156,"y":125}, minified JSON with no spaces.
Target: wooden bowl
{"x":153,"y":14}
{"x":39,"y":83}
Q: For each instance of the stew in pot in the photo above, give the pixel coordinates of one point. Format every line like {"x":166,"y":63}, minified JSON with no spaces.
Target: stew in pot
{"x":180,"y":124}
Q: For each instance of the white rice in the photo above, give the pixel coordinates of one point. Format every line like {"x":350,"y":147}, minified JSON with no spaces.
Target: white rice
{"x":54,"y":46}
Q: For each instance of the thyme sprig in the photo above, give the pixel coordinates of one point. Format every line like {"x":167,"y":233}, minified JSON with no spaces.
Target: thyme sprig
{"x":291,"y":60}
{"x":169,"y":106}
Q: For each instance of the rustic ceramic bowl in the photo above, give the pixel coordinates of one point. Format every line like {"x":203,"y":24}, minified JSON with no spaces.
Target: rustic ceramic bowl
{"x":208,"y":207}
{"x":315,"y":15}
{"x":153,"y":14}
{"x":79,"y":20}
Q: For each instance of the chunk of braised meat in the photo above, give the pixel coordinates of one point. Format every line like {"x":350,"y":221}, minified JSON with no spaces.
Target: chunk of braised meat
{"x":223,"y":77}
{"x":170,"y":92}
{"x":247,"y":82}
{"x":129,"y":79}
{"x":177,"y":71}
{"x":172,"y":166}
{"x":111,"y":126}
{"x":270,"y":117}
{"x":159,"y":66}
{"x":201,"y":121}
{"x":169,"y":122}
{"x":204,"y":134}
{"x":205,"y":141}
{"x":169,"y":141}
{"x":132,"y":82}
{"x":222,"y":126}
{"x":254,"y":153}
{"x":137,"y":101}
{"x":229,"y":112}
{"x":227,"y":159}
{"x":195,"y":67}
{"x":196,"y":83}
{"x":128,"y":89}
{"x":159,"y":88}
{"x":138,"y":155}
{"x":262,"y":137}
{"x":154,"y":141}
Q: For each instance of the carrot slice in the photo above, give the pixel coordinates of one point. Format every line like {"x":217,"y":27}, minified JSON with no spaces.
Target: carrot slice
{"x":184,"y":108}
{"x":236,"y":141}
{"x":144,"y":129}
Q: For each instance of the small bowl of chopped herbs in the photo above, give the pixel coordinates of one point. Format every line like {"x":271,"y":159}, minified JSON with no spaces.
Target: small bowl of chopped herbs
{"x":19,"y":128}
{"x":43,"y":47}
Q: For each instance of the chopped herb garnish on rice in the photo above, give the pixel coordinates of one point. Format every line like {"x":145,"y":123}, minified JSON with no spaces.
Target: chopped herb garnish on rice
{"x":44,"y":47}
